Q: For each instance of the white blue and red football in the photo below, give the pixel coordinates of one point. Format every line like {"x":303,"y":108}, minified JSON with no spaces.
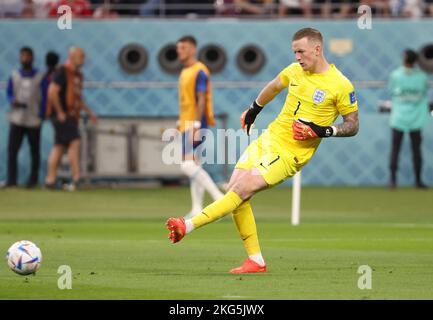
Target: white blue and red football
{"x":24,"y":257}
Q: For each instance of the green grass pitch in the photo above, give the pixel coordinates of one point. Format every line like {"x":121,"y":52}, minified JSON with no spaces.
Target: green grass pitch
{"x":116,"y":244}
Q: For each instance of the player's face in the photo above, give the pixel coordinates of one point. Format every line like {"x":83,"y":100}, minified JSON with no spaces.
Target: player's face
{"x":306,"y":53}
{"x":185,"y":51}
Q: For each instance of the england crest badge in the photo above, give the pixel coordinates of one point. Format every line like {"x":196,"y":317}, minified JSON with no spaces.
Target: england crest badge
{"x":318,"y":96}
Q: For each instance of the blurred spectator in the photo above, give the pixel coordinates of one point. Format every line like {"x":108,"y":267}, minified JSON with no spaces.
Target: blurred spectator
{"x":28,"y":9}
{"x":348,"y":7}
{"x":407,"y":8}
{"x":413,"y":9}
{"x":257,"y":7}
{"x":51,"y":62}
{"x":408,"y":86}
{"x":190,"y":7}
{"x":325,"y":8}
{"x":149,"y":8}
{"x":11,"y":8}
{"x":41,"y":8}
{"x":104,"y":10}
{"x":80,"y":8}
{"x":295,"y":7}
{"x":127,"y":7}
{"x":429,"y":4}
{"x":65,"y":102}
{"x":379,"y":7}
{"x":225,"y":7}
{"x":337,"y":8}
{"x":24,"y":96}
{"x":396,"y":7}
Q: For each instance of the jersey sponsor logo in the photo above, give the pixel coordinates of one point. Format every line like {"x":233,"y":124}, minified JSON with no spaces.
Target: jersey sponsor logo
{"x":352,"y":97}
{"x":319,"y":96}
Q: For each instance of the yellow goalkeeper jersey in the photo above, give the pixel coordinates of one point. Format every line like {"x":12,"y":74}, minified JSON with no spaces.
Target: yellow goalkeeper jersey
{"x":317,"y":97}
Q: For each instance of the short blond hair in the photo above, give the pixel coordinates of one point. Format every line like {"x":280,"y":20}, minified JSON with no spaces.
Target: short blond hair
{"x":310,"y":33}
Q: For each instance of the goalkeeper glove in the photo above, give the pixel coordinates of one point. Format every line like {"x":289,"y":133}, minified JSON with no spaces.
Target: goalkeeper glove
{"x":304,"y":130}
{"x":249,"y":116}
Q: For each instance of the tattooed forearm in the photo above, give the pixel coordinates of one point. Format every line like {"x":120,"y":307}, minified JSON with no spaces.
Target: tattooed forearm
{"x":350,"y":125}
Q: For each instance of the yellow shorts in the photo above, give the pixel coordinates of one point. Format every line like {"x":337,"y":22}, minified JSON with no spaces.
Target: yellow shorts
{"x":273,"y":162}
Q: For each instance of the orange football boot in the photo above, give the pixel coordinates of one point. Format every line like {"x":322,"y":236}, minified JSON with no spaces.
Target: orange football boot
{"x":177,"y":229}
{"x":249,"y":266}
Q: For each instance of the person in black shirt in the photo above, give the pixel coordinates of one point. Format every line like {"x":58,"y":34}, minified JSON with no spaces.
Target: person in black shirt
{"x":51,"y":61}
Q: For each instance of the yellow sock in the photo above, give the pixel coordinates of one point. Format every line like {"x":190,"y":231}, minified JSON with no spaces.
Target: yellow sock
{"x":217,"y":209}
{"x":244,"y":220}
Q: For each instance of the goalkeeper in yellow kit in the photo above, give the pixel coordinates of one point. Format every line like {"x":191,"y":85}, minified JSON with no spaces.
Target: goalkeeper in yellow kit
{"x":317,"y":94}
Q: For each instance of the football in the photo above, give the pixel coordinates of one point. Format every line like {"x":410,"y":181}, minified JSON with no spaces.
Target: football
{"x":24,"y":257}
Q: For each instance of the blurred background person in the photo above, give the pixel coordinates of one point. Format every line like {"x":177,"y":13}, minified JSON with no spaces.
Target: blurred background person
{"x":195,"y":113}
{"x":51,"y":62}
{"x":24,"y":96}
{"x":407,"y":8}
{"x":337,"y":8}
{"x":126,"y":7}
{"x":103,"y":10}
{"x":28,"y":9}
{"x":191,"y":8}
{"x":413,"y":9}
{"x":79,"y":8}
{"x":65,"y":103}
{"x":379,"y":7}
{"x":11,"y":8}
{"x":41,"y":8}
{"x":295,"y":7}
{"x":255,"y":7}
{"x":225,"y":7}
{"x":149,"y":7}
{"x":429,"y":7}
{"x":408,"y":86}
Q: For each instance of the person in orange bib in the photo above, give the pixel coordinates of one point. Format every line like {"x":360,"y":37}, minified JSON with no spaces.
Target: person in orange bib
{"x":195,"y":113}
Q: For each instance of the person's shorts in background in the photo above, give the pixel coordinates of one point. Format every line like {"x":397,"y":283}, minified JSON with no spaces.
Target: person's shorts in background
{"x":65,"y":132}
